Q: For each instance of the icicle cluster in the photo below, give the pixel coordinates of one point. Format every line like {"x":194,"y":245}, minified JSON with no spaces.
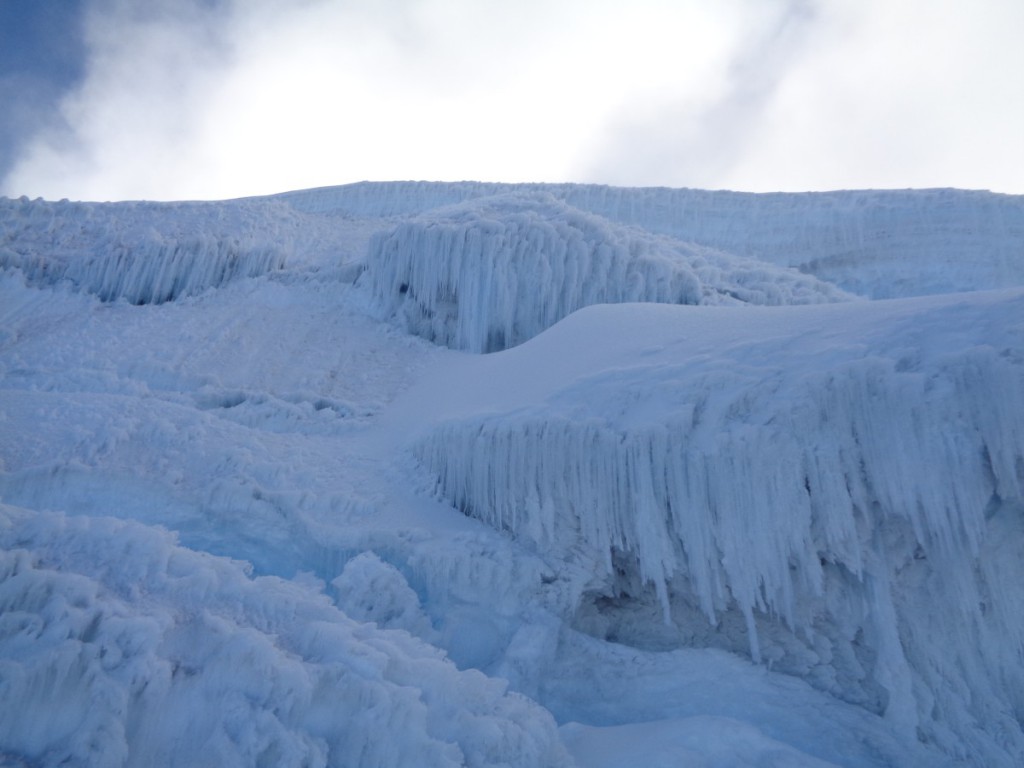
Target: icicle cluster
{"x":144,"y":253}
{"x":853,"y":499}
{"x":154,"y":252}
{"x":491,"y":274}
{"x":155,"y":272}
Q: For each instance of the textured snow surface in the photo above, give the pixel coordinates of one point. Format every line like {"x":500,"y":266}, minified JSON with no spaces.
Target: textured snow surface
{"x":140,"y":652}
{"x":247,"y":518}
{"x":491,"y":274}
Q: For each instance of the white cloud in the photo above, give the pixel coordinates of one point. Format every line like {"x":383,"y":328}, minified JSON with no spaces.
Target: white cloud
{"x":202,"y":99}
{"x":896,"y":95}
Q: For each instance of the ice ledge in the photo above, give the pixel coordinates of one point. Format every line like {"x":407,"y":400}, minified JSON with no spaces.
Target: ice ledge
{"x":851,"y":492}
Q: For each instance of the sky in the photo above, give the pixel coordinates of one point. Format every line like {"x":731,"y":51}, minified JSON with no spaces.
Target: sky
{"x":213,"y":99}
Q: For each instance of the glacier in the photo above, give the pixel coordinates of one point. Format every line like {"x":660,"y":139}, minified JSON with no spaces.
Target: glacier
{"x":489,"y":474}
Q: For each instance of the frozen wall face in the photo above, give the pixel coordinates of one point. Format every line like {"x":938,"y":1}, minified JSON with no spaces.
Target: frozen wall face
{"x":493,"y":273}
{"x":152,"y":272}
{"x":142,"y":253}
{"x":876,"y":243}
{"x":120,"y":648}
{"x":149,"y":253}
{"x":849,"y":508}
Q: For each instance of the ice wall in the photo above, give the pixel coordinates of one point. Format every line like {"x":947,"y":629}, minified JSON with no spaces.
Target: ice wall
{"x":846,"y":482}
{"x":121,"y":648}
{"x":881,"y":244}
{"x":154,"y":272}
{"x":155,"y":252}
{"x":493,"y":273}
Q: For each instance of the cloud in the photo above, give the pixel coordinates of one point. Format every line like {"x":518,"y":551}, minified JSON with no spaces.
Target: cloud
{"x":446,"y":89}
{"x":134,"y":117}
{"x":849,"y":93}
{"x":901,"y":94}
{"x":685,"y":136}
{"x":222,"y":98}
{"x":40,"y":60}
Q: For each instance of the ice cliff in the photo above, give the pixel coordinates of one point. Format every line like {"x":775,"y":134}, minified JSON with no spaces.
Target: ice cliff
{"x":849,"y":506}
{"x":490,"y":274}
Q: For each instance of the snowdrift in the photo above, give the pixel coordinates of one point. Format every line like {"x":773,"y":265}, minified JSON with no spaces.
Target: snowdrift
{"x":491,"y":274}
{"x":876,"y":243}
{"x":839,"y":488}
{"x":113,"y":638}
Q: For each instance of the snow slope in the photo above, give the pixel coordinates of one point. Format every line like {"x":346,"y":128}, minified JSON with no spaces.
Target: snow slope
{"x":247,"y":519}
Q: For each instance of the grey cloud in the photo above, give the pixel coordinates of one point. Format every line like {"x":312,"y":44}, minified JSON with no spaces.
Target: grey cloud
{"x":146,"y":60}
{"x":42,"y":58}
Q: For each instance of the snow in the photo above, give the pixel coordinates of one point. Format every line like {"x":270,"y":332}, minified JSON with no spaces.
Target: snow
{"x":123,"y":638}
{"x":247,"y":517}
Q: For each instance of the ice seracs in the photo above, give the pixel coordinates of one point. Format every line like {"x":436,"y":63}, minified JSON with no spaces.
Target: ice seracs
{"x":829,"y":486}
{"x":492,"y":273}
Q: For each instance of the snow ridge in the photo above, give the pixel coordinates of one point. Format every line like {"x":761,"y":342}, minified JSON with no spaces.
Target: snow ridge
{"x":490,"y":274}
{"x":876,"y":243}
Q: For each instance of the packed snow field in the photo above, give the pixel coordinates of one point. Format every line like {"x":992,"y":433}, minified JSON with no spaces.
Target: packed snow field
{"x":513,"y":475}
